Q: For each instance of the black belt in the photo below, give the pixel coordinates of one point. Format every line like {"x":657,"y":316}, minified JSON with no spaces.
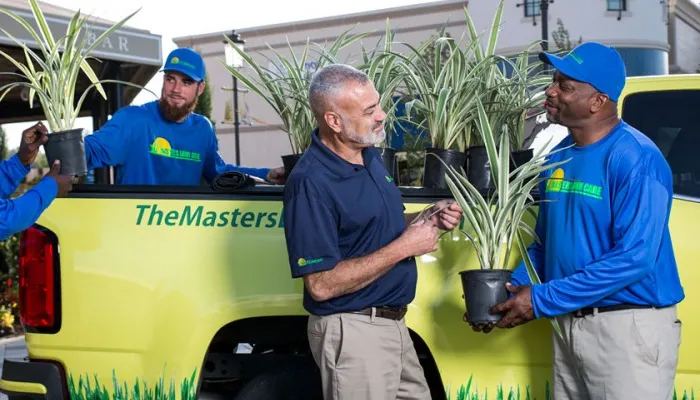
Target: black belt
{"x":580,"y":313}
{"x":395,"y":313}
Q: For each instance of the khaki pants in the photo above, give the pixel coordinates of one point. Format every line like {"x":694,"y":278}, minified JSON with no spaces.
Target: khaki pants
{"x":366,"y":358}
{"x":617,"y":355}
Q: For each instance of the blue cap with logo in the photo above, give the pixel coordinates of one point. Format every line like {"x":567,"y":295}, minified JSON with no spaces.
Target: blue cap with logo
{"x":599,"y":65}
{"x":186,"y":61}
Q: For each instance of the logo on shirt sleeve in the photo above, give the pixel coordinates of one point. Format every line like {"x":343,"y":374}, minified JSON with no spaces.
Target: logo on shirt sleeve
{"x":558,"y":184}
{"x":161,"y":147}
{"x":302,"y":262}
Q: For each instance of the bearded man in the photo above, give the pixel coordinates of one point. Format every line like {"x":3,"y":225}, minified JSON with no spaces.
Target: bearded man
{"x":164,"y":142}
{"x":352,"y":244}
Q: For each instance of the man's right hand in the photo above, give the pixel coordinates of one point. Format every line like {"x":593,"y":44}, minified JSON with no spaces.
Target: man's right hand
{"x":420,"y":238}
{"x":65,"y":182}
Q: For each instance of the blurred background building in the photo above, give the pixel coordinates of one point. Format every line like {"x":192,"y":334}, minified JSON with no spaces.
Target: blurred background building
{"x":653,"y":36}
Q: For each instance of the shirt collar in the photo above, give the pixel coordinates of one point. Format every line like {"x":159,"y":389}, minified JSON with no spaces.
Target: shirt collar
{"x":334,"y":162}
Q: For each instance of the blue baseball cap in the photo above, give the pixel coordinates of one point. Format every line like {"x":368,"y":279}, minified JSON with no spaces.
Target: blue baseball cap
{"x":186,"y":61}
{"x":598,"y":65}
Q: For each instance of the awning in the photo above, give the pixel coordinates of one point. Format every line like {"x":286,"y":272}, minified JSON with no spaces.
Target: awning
{"x":128,"y":54}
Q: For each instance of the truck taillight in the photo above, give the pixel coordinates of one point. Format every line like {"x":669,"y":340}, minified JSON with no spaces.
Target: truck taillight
{"x":38,"y":280}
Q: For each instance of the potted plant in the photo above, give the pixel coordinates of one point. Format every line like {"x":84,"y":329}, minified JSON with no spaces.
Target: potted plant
{"x":441,"y":95}
{"x":438,"y":94}
{"x":381,"y":67}
{"x":495,"y":219}
{"x":507,"y":89}
{"x":285,"y":88}
{"x":516,"y":88}
{"x":490,"y":84}
{"x":51,"y":75}
{"x":526,"y":92}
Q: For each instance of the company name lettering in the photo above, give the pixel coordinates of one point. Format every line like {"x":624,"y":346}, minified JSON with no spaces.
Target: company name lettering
{"x":151,"y":215}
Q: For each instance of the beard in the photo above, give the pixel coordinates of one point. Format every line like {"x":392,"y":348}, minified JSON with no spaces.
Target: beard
{"x":553,"y":118}
{"x":370,"y":137}
{"x":176,"y":113}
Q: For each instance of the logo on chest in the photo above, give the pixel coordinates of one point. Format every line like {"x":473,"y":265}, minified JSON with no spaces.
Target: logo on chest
{"x":161,"y":147}
{"x":558,"y":184}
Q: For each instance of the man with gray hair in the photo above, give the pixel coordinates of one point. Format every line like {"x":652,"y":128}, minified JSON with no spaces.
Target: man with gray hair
{"x":349,"y":239}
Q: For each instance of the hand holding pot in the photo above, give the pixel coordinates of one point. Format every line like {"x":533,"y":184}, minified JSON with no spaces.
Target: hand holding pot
{"x":32,"y":138}
{"x":420,"y":238}
{"x":518,"y":309}
{"x":65,"y":183}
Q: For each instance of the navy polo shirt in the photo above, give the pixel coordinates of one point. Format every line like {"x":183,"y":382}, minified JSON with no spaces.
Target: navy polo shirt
{"x":335,"y":210}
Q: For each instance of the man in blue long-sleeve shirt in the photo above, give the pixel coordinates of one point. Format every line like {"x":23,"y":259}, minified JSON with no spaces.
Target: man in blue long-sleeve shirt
{"x":606,"y":259}
{"x":19,"y":213}
{"x":163,"y":142}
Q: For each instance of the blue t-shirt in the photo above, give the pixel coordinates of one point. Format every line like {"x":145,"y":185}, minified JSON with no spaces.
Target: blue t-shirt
{"x":335,"y":210}
{"x":604,"y":228}
{"x":21,"y":212}
{"x":151,"y":150}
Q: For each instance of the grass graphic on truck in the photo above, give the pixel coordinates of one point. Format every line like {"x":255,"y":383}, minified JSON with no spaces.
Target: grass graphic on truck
{"x":140,"y":390}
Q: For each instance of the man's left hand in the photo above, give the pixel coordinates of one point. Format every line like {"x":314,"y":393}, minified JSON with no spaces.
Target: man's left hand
{"x":518,"y":309}
{"x":32,"y":138}
{"x":276,"y":176}
{"x":448,"y":217}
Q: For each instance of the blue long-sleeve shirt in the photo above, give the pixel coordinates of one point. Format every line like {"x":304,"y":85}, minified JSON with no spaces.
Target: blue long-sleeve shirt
{"x":151,"y":150}
{"x":604,"y":228}
{"x":19,"y":213}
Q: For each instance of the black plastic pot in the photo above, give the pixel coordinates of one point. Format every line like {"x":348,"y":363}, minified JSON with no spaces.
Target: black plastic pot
{"x":478,"y":168}
{"x":520,"y":157}
{"x":289,"y":161}
{"x":433,"y":169}
{"x":388,"y":155}
{"x":69,"y":148}
{"x":483,"y":289}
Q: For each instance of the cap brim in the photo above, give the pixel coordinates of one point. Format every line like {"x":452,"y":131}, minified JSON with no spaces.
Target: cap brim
{"x":194,"y":78}
{"x":563,"y":66}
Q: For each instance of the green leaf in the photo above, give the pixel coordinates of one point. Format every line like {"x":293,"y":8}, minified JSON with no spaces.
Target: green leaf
{"x":535,"y":279}
{"x":52,"y":75}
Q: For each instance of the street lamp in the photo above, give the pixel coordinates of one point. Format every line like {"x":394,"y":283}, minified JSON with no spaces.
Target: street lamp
{"x":544,"y":8}
{"x":234,"y":60}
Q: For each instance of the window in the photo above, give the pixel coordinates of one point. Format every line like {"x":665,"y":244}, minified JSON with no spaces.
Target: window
{"x":669,"y":119}
{"x":532,"y":8}
{"x":644,"y":61}
{"x":617,"y":5}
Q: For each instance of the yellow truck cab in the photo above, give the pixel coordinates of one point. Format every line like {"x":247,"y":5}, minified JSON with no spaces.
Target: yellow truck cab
{"x":181,"y":292}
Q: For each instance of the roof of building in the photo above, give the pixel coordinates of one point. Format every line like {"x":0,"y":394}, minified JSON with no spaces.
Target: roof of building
{"x":342,"y":18}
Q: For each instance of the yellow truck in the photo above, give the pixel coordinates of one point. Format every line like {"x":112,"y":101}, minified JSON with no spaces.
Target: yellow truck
{"x":174,"y":292}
